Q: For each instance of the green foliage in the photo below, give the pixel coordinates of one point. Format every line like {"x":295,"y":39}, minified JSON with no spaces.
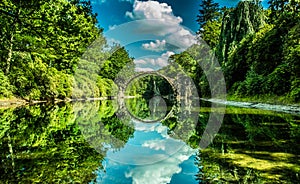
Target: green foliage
{"x":295,"y":90}
{"x":5,"y":87}
{"x":147,"y":85}
{"x":271,"y":56}
{"x":100,"y":125}
{"x":284,"y":13}
{"x":235,"y":156}
{"x":42,"y":42}
{"x":107,"y":87}
{"x":209,"y":22}
{"x":247,"y":18}
{"x":115,"y":63}
{"x":34,"y":80}
{"x":252,"y":85}
{"x":209,"y":11}
{"x":44,"y":144}
{"x":190,"y":65}
{"x":49,"y":143}
{"x":211,"y":32}
{"x":260,"y":60}
{"x":236,"y":67}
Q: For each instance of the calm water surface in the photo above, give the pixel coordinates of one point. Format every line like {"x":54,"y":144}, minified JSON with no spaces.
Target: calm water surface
{"x":91,"y":142}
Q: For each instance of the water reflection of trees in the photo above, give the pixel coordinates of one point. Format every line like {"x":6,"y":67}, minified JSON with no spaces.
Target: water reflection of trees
{"x":252,"y":146}
{"x":101,"y":127}
{"x":43,"y":143}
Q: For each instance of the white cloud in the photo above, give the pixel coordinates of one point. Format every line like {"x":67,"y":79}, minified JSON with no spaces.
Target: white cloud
{"x":161,"y":22}
{"x":151,"y":127}
{"x":161,"y":172}
{"x":158,"y":144}
{"x":165,"y":22}
{"x":153,"y":63}
{"x":140,"y":62}
{"x":153,"y":10}
{"x":145,"y":127}
{"x":156,"y":46}
{"x":112,"y":41}
{"x":167,"y":54}
{"x":156,"y":158}
{"x":182,"y":39}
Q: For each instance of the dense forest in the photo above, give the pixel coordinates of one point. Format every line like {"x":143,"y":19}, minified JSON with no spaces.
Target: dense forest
{"x":41,"y":47}
{"x":258,"y":49}
{"x":42,"y":44}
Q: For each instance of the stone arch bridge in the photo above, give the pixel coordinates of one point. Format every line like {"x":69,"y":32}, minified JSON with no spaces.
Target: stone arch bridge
{"x":183,"y":88}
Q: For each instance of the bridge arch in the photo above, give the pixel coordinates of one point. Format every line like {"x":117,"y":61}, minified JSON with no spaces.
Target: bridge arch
{"x":183,"y":88}
{"x":123,"y":110}
{"x":154,"y":73}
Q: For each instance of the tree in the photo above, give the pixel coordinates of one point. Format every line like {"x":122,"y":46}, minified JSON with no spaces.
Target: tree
{"x":210,"y":22}
{"x":211,"y":32}
{"x":209,"y":11}
{"x":115,"y":63}
{"x":12,"y":15}
{"x":42,"y":42}
{"x":284,"y":12}
{"x":58,"y":31}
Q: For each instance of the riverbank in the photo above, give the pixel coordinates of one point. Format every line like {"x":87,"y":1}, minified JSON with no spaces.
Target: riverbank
{"x":292,"y":109}
{"x":16,"y":102}
{"x":12,"y":102}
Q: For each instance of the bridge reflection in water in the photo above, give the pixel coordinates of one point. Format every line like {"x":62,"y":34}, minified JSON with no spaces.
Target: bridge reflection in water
{"x":184,"y":110}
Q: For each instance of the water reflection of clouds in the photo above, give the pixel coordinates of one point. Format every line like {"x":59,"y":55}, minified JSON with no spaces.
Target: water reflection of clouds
{"x":155,"y":144}
{"x":151,"y":127}
{"x":150,"y":155}
{"x":160,"y":172}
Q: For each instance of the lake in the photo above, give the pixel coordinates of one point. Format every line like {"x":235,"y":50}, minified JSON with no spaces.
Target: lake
{"x":92,"y":142}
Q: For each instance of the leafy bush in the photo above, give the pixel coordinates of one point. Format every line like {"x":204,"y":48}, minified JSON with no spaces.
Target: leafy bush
{"x":295,"y":90}
{"x":278,"y":81}
{"x":253,"y":85}
{"x":5,"y":87}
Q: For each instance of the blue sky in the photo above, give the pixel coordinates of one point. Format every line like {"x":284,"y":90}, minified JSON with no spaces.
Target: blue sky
{"x":112,"y":12}
{"x":151,"y":30}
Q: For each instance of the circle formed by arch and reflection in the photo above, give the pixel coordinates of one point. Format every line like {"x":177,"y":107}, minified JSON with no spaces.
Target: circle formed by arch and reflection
{"x":186,"y":93}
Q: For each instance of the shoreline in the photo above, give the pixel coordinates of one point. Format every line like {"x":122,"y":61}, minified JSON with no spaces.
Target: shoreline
{"x":291,"y":109}
{"x":9,"y":103}
{"x":16,"y":102}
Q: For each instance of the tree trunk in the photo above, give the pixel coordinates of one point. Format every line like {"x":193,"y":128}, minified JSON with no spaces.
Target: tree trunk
{"x":11,"y":152}
{"x":9,"y":55}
